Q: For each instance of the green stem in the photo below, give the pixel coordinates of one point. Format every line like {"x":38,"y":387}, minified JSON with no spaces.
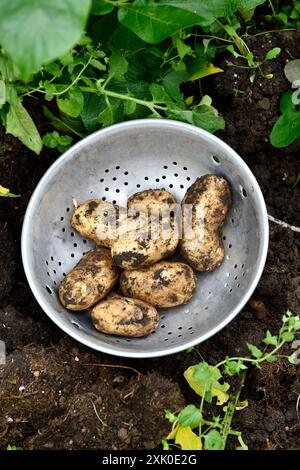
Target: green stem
{"x":77,"y":78}
{"x":253,"y":361}
{"x":272,"y":7}
{"x":231,"y":407}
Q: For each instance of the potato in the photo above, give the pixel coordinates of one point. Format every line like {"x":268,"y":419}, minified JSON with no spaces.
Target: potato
{"x":203,"y":249}
{"x":90,"y":281}
{"x":164,"y":284}
{"x":124,"y":317}
{"x":96,"y":220}
{"x":149,"y":239}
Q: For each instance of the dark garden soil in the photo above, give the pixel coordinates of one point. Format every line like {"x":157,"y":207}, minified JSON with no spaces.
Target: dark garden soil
{"x":70,"y":399}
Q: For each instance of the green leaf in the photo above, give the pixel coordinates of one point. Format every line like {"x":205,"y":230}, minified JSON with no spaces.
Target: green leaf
{"x":273,"y":53}
{"x":172,"y":82}
{"x":2,"y":93}
{"x":54,"y":140}
{"x":5,"y":192}
{"x":159,"y":94}
{"x":288,"y":336}
{"x":233,"y":367}
{"x":118,"y":65}
{"x":71,"y":103}
{"x":270,"y":340}
{"x":53,"y":68}
{"x":185,"y":438}
{"x":257,"y":353}
{"x":36,"y":32}
{"x":129,"y":107}
{"x":101,"y":7}
{"x":213,"y":440}
{"x":204,"y":378}
{"x":190,"y":416}
{"x":182,"y":48}
{"x":286,"y":129}
{"x":92,"y":107}
{"x":165,"y":444}
{"x":247,"y":7}
{"x":286,"y":103}
{"x":208,"y":118}
{"x":154,"y":22}
{"x":111,"y":115}
{"x":20,"y":124}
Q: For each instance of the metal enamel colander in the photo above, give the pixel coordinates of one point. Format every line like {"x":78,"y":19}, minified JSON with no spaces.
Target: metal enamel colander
{"x":113,"y":164}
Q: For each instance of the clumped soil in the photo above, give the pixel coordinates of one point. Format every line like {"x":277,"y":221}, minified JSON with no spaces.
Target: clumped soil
{"x":75,"y":398}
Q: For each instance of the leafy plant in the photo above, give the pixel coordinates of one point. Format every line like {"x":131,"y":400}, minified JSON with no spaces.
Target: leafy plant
{"x":285,"y":13}
{"x":196,"y":427}
{"x":132,"y":62}
{"x":287,"y":128}
{"x":253,"y":63}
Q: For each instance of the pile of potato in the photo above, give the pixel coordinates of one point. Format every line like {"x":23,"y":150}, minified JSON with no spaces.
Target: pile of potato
{"x":147,"y":281}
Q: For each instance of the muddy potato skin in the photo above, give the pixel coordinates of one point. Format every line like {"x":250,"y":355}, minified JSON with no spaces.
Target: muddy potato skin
{"x":164,"y":284}
{"x":213,"y":193}
{"x":95,"y":217}
{"x":133,"y":252}
{"x":90,"y":281}
{"x":124,"y":316}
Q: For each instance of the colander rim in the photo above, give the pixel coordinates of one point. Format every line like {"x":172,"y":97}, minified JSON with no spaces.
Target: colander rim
{"x":144,"y":123}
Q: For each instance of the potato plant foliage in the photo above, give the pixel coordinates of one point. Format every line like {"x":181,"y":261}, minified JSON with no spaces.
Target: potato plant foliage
{"x":95,"y":63}
{"x":197,"y":427}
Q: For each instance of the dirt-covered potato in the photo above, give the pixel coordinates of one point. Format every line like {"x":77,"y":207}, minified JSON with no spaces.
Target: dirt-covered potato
{"x":124,"y":317}
{"x":96,"y":220}
{"x":153,"y":231}
{"x":202,"y":247}
{"x":164,"y":284}
{"x":90,"y":281}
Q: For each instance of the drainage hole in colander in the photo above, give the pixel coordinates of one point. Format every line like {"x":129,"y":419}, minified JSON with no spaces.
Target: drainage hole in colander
{"x":54,"y":282}
{"x":72,"y":255}
{"x":117,"y":167}
{"x":190,"y":328}
{"x":243,"y":192}
{"x":107,"y":170}
{"x":48,"y":274}
{"x":64,"y":274}
{"x":68,"y":209}
{"x":188,"y":178}
{"x":175,"y":163}
{"x":235,"y":266}
{"x":146,"y":178}
{"x":179,"y":336}
{"x":84,"y":241}
{"x":72,"y":234}
{"x":239,"y":285}
{"x":163,"y":326}
{"x":75,"y":245}
{"x":180,"y":328}
{"x":185,"y":168}
{"x":114,"y":201}
{"x":157,"y":180}
{"x":176,"y":174}
{"x":52,"y":259}
{"x":216,"y":160}
{"x":169,"y":332}
{"x":101,"y":180}
{"x":232,"y":221}
{"x":235,"y":278}
{"x":104,"y":198}
{"x":206,"y":308}
{"x":181,"y":186}
{"x":49,"y":290}
{"x":54,"y":272}
{"x":59,"y":263}
{"x":75,"y":324}
{"x":163,"y":177}
{"x":229,"y":246}
{"x":114,"y":178}
{"x":62,"y":218}
{"x":230,"y":290}
{"x":170,"y":186}
{"x":165,"y":167}
{"x":125,"y":173}
{"x":47,"y":263}
{"x":117,"y":190}
{"x":63,"y":230}
{"x":138,"y":185}
{"x":106,"y":189}
{"x":125,"y":183}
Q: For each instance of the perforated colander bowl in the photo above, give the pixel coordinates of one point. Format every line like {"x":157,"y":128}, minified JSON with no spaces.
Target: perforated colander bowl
{"x":113,"y":164}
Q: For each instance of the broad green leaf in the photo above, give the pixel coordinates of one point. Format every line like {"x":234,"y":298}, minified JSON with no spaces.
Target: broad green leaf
{"x":190,"y":416}
{"x":118,"y":65}
{"x":247,"y":7}
{"x":159,"y":94}
{"x":111,"y":115}
{"x":273,"y":53}
{"x":71,"y":103}
{"x":154,"y":22}
{"x":124,"y":39}
{"x":208,"y":118}
{"x":213,"y":440}
{"x":257,"y":353}
{"x":208,"y":11}
{"x":92,"y":107}
{"x":286,"y":129}
{"x":101,"y":7}
{"x":53,"y":68}
{"x":172,"y":82}
{"x":20,"y":124}
{"x":185,"y":438}
{"x":204,"y":378}
{"x":288,"y":336}
{"x":35,"y":32}
{"x":286,"y":103}
{"x":182,"y":48}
